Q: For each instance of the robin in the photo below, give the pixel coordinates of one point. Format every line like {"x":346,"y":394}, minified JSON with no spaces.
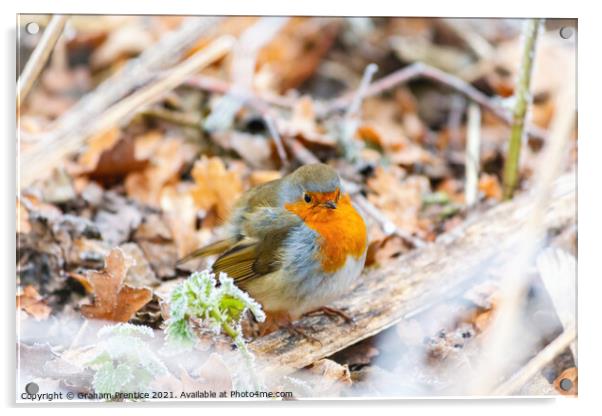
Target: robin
{"x":294,"y":244}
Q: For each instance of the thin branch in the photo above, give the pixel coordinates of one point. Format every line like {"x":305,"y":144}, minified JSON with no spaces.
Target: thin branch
{"x":218,"y":86}
{"x":174,"y":117}
{"x":519,"y":115}
{"x":347,"y":144}
{"x":472,"y":163}
{"x":39,"y":57}
{"x":551,"y":351}
{"x":40,"y":159}
{"x":420,"y":70}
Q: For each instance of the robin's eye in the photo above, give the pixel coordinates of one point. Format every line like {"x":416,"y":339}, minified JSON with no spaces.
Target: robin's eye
{"x":307,"y":198}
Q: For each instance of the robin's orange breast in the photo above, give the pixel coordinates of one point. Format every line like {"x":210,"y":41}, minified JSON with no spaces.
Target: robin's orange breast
{"x":342,"y":231}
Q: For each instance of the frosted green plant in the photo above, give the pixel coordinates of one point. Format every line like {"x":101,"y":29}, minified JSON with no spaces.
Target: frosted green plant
{"x":221,"y":307}
{"x":125,"y":362}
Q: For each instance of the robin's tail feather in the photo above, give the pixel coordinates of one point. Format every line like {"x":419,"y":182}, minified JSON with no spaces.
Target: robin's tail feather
{"x":213,"y":248}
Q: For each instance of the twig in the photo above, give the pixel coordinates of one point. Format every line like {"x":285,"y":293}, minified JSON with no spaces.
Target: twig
{"x":271,"y":125}
{"x":520,"y":378}
{"x":473,"y":138}
{"x":477,"y":43}
{"x":216,"y":85}
{"x":346,"y":140}
{"x":174,"y":117}
{"x":39,"y":57}
{"x":44,"y":157}
{"x":523,"y":101}
{"x":420,"y":70}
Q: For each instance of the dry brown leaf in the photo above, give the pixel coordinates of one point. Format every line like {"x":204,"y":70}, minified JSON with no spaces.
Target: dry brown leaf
{"x":114,"y":301}
{"x":168,"y":159}
{"x":216,"y":187}
{"x":400,"y":199}
{"x":31,"y":302}
{"x":23,"y":225}
{"x":453,"y":188}
{"x":180,"y":210}
{"x":382,"y":126}
{"x":259,"y":177}
{"x":303,"y":124}
{"x":98,"y":144}
{"x":490,"y":186}
{"x":294,"y":53}
{"x":332,"y":377}
{"x":380,"y":251}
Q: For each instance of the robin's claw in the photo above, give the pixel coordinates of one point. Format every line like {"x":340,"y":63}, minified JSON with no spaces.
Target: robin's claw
{"x":333,"y":312}
{"x":298,"y":331}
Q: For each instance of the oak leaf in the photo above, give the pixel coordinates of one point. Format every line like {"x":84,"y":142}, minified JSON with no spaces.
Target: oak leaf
{"x":31,"y":302}
{"x":216,"y":187}
{"x":114,"y":301}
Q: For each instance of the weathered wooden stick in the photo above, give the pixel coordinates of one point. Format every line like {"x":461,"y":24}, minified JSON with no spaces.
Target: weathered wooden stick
{"x":39,"y":57}
{"x":420,"y":70}
{"x":408,"y":285}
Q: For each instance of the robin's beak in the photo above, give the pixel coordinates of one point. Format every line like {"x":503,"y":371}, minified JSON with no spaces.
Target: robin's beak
{"x":330,"y":204}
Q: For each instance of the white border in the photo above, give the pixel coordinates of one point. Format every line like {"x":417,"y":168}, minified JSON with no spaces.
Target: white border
{"x":590,"y":154}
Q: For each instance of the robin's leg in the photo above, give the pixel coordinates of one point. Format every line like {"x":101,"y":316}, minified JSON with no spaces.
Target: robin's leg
{"x":332,"y":312}
{"x":273,"y":322}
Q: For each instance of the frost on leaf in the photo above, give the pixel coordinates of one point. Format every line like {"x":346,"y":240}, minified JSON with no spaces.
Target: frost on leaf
{"x":199,"y":297}
{"x":114,"y":301}
{"x":125,"y":361}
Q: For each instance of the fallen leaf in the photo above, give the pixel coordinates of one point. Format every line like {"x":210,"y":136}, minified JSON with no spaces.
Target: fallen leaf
{"x":31,"y":302}
{"x":398,"y":197}
{"x":168,"y":160}
{"x":490,"y":186}
{"x":380,"y":251}
{"x":328,"y":377}
{"x":113,"y":300}
{"x":23,"y":225}
{"x":259,"y":177}
{"x":155,"y":239}
{"x":140,"y":274}
{"x":180,"y":211}
{"x":293,"y":55}
{"x":98,"y":144}
{"x":216,"y":187}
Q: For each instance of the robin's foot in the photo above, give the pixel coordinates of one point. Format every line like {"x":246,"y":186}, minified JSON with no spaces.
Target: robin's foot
{"x":332,"y":312}
{"x":298,"y":331}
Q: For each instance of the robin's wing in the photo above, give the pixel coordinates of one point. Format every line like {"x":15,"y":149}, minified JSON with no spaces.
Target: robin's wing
{"x":211,"y":249}
{"x":257,"y":253}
